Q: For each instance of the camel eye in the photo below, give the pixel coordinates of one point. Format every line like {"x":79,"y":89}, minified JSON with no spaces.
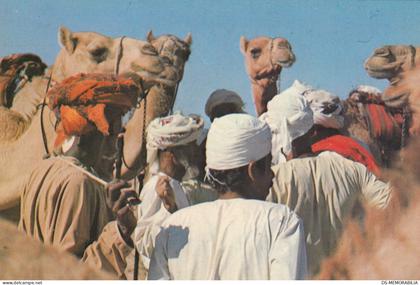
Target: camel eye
{"x":149,"y":50}
{"x":99,"y":54}
{"x":382,"y":52}
{"x":255,"y":53}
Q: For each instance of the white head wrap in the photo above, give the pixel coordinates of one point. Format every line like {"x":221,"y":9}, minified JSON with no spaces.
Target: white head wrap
{"x":319,"y":100}
{"x":222,"y":96}
{"x":235,"y":140}
{"x":171,"y":131}
{"x":289,"y":117}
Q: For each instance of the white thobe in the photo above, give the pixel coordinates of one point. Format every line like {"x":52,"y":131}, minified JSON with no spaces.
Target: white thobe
{"x":230,"y":239}
{"x":151,"y":213}
{"x":322,"y":191}
{"x":198,"y":191}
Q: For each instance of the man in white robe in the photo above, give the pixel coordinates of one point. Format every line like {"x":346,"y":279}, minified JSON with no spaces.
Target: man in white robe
{"x":168,"y":141}
{"x":322,"y":188}
{"x":238,"y":236}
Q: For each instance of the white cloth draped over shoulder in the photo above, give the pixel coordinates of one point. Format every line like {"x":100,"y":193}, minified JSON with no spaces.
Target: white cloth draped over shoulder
{"x":151,"y":213}
{"x":289,"y":117}
{"x":233,"y":239}
{"x":321,"y":102}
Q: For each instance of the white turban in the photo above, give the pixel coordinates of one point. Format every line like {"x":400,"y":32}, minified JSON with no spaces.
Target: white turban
{"x":222,"y":96}
{"x":289,"y":117}
{"x":319,"y":100}
{"x":171,"y":131}
{"x":235,"y":140}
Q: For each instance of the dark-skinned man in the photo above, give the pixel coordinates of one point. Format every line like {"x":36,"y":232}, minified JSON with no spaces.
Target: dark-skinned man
{"x":64,"y":202}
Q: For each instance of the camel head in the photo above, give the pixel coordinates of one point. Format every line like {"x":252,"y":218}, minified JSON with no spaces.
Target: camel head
{"x":265,"y":57}
{"x":172,"y":49}
{"x":389,"y":61}
{"x":406,"y":92}
{"x":89,"y":52}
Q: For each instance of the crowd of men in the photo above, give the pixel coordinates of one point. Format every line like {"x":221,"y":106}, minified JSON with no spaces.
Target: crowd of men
{"x":268,"y":200}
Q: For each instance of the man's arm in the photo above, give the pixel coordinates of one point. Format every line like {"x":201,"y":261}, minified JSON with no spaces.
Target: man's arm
{"x":114,"y":244}
{"x":109,"y":252}
{"x":376,"y":192}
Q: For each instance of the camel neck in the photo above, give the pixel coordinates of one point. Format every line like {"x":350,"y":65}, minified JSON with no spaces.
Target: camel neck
{"x":263,"y":92}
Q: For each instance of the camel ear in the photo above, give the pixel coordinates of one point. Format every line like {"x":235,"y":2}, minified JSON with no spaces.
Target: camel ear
{"x":243,"y":43}
{"x":188,"y":39}
{"x":67,"y":40}
{"x":150,"y":37}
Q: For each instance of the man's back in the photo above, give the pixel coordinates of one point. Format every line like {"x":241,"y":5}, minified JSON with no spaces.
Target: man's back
{"x":63,"y":206}
{"x":230,"y":239}
{"x":322,"y":191}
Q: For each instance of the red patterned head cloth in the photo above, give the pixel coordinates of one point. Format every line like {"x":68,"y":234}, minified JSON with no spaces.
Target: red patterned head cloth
{"x":86,"y":102}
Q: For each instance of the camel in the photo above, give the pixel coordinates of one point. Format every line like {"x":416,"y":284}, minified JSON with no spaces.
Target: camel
{"x":386,"y":62}
{"x":404,"y":93}
{"x":81,"y":52}
{"x":382,"y":247}
{"x":264,"y":59}
{"x":160,"y":100}
{"x":22,"y":257}
{"x":389,"y":61}
{"x":369,"y":120}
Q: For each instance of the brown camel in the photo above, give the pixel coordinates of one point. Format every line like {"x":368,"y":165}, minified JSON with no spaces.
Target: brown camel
{"x":264,"y":59}
{"x":368,"y":119}
{"x":24,"y":258}
{"x":81,"y":52}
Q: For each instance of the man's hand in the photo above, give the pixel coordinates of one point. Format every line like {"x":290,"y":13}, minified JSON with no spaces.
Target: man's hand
{"x":166,"y":193}
{"x":119,"y":200}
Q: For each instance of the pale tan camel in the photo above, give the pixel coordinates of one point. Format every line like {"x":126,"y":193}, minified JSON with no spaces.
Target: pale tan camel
{"x":389,"y":61}
{"x":23,"y":146}
{"x":405,"y":92}
{"x":264,"y":59}
{"x":160,"y":100}
{"x":24,"y":258}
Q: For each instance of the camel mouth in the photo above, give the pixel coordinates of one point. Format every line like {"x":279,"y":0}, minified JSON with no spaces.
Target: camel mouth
{"x":153,"y":77}
{"x":396,"y":101}
{"x":286,"y":63}
{"x":382,"y":71}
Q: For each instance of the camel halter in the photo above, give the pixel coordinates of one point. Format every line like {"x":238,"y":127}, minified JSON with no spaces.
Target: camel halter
{"x":44,"y":102}
{"x":171,"y":110}
{"x":272,"y":65}
{"x":120,"y":156}
{"x":406,"y":110}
